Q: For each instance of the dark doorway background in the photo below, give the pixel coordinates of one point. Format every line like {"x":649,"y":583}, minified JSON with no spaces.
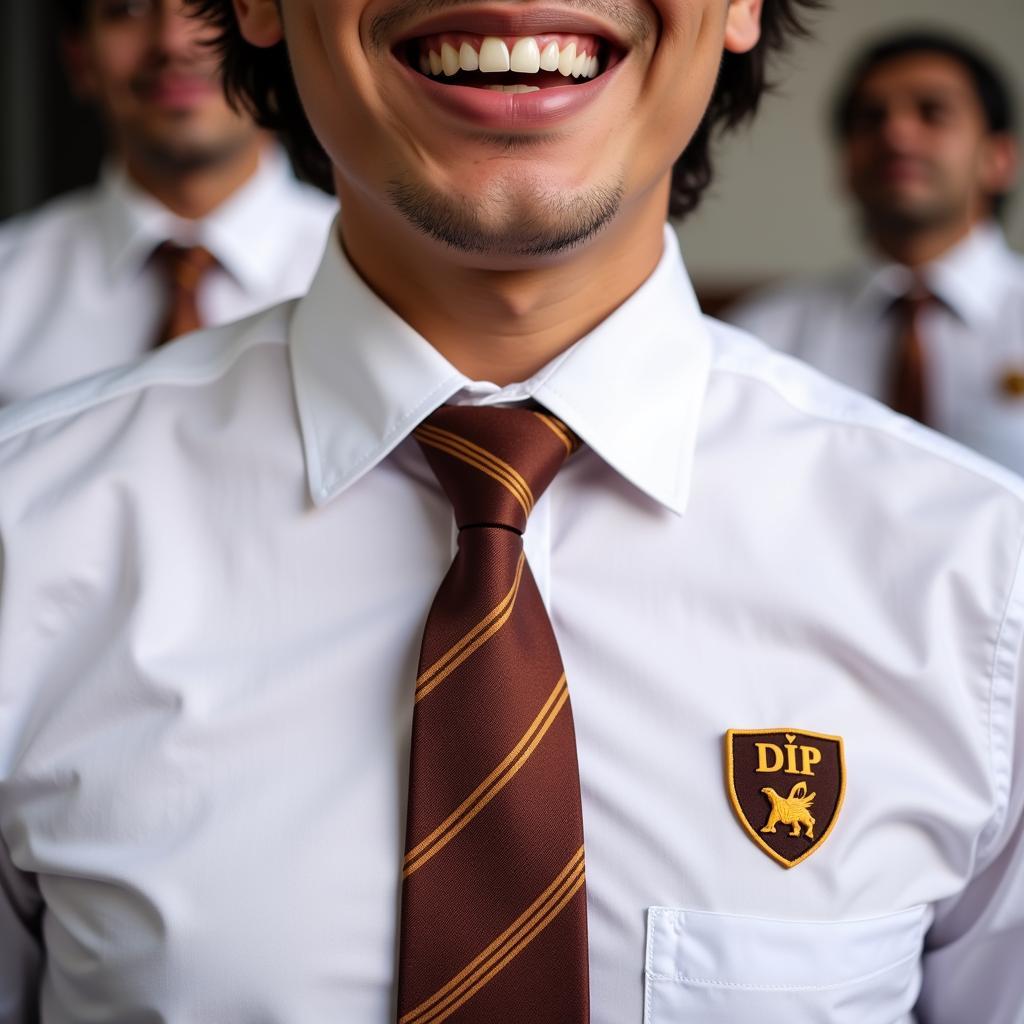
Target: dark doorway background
{"x":49,"y":142}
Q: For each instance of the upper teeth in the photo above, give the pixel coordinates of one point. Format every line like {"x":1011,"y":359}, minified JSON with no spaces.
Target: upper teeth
{"x":526,"y":57}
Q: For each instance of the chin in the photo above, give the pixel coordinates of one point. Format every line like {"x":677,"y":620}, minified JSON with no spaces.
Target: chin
{"x":190,"y":146}
{"x":909,"y":216}
{"x":510,"y":218}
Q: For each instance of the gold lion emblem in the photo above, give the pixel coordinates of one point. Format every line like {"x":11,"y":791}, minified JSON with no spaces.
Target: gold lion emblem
{"x":791,"y":810}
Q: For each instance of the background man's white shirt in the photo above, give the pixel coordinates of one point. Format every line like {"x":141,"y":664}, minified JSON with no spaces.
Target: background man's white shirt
{"x":974,"y":338}
{"x":216,"y":568}
{"x":79,"y":294}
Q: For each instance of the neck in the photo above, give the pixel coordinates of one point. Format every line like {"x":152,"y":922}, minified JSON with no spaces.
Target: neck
{"x":503,"y":324}
{"x":917,"y":248}
{"x":195,"y":192}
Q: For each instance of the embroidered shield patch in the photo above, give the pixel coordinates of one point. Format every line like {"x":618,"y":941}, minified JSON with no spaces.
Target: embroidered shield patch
{"x":786,"y":786}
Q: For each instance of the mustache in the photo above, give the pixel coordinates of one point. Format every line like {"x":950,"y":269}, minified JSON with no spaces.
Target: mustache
{"x":920,"y":162}
{"x":635,"y":26}
{"x":202,"y":67}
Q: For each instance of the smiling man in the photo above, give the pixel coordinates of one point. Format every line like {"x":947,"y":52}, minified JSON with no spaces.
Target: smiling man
{"x":197,"y":217}
{"x":487,"y":636}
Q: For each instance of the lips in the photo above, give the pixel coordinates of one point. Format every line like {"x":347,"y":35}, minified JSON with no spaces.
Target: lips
{"x":509,"y":71}
{"x":516,"y":23}
{"x":177,"y":91}
{"x":898,"y":170}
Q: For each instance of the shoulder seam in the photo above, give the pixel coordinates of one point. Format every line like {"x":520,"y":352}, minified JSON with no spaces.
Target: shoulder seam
{"x":125,"y":380}
{"x":994,"y":478}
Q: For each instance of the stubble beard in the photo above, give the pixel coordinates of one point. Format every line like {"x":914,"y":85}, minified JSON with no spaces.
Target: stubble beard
{"x":909,"y":222}
{"x":168,"y":154}
{"x":896,"y":217}
{"x":516,"y":219}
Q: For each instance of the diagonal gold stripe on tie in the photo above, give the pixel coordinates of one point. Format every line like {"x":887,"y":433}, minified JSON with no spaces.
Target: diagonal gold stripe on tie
{"x":484,"y":467}
{"x":542,"y":923}
{"x":443,"y":1003}
{"x":559,"y":429}
{"x":471,"y":448}
{"x":479,"y":458}
{"x":487,"y":627}
{"x":549,"y":916}
{"x":492,"y":785}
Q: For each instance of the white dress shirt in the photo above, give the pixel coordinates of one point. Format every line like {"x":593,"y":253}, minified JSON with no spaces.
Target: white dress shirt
{"x":79,"y":293}
{"x":973,"y":337}
{"x":216,"y":569}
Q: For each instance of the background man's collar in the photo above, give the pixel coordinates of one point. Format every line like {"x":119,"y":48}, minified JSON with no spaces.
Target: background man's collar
{"x":969,"y":278}
{"x":972,"y":276}
{"x":133,"y":223}
{"x":242,"y":232}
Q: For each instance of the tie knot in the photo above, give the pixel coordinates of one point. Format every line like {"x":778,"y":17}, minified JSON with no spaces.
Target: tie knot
{"x":185,"y":265}
{"x":494,"y":463}
{"x":915,"y":299}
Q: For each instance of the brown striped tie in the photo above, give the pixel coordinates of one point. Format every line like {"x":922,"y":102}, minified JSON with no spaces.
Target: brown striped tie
{"x":494,"y":913}
{"x":184,"y":268}
{"x":909,"y":394}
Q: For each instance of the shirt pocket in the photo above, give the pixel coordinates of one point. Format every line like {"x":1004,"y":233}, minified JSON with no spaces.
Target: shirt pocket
{"x":725,"y":969}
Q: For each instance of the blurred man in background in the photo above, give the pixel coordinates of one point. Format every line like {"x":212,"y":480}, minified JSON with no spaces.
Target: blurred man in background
{"x":197,"y":217}
{"x":933,"y":324}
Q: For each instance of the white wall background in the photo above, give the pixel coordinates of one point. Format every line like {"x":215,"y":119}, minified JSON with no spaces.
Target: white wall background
{"x":776,"y":207}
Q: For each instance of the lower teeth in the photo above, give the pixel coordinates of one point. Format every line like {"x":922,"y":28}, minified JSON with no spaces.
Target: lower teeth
{"x":515,"y":89}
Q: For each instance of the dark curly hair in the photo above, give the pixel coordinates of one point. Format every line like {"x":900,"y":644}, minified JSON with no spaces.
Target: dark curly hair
{"x":261,"y":82}
{"x":70,"y":14}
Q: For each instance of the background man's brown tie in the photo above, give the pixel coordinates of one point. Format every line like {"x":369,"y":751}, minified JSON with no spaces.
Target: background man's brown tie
{"x":910,"y":374}
{"x":184,"y":268}
{"x":494,"y":914}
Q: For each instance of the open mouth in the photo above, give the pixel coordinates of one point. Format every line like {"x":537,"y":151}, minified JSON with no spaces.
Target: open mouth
{"x":510,"y":64}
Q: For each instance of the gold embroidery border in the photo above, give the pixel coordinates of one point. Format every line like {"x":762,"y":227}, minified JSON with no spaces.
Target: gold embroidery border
{"x":737,"y":808}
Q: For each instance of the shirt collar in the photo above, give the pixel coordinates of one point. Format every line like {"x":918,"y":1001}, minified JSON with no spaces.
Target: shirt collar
{"x":240,"y":233}
{"x":632,"y":388}
{"x":969,"y":278}
{"x":132,"y":223}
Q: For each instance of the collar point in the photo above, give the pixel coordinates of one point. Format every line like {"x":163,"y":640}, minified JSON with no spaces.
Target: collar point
{"x":675,"y":503}
{"x":323,"y":494}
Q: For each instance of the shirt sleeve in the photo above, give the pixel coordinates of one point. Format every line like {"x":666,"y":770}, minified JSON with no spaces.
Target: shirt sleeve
{"x":21,"y":950}
{"x":20,"y":944}
{"x":974,"y":953}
